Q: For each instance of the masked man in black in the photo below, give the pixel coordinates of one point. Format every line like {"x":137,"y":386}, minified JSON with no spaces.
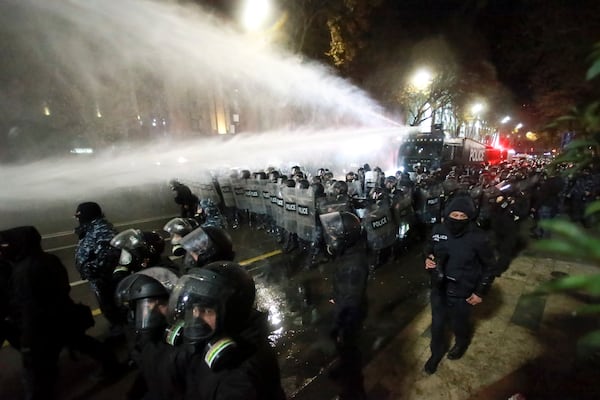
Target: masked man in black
{"x":462,"y":265}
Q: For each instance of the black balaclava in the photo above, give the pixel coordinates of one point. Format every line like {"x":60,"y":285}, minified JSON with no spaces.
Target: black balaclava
{"x":464,"y":204}
{"x":88,"y":211}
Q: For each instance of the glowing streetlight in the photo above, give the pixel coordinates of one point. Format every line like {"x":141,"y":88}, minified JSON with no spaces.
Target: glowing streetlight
{"x":505,"y":120}
{"x":477,"y":108}
{"x":255,"y":14}
{"x":519,"y":126}
{"x":421,"y":80}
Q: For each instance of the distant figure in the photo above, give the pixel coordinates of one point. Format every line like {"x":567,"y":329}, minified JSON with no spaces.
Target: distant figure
{"x":96,"y":259}
{"x":42,"y":315}
{"x":184,"y":198}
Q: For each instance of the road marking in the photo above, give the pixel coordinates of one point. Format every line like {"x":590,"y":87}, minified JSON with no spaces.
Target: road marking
{"x":259,"y":258}
{"x":137,"y":221}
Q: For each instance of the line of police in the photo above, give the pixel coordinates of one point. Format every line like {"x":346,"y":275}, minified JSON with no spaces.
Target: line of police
{"x":209,"y":311}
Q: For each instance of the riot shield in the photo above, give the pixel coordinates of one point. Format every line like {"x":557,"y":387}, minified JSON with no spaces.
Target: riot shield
{"x":209,"y":191}
{"x":428,"y":208}
{"x":258,"y":195}
{"x":335,"y":204}
{"x":227,"y":191}
{"x":239,"y":190}
{"x":289,"y":207}
{"x":279,"y":209}
{"x":380,"y":227}
{"x":355,"y":189}
{"x":252,"y":195}
{"x":306,"y":214}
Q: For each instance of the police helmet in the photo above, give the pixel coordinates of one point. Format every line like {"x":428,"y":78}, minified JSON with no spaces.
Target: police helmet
{"x":303,"y":184}
{"x":318,"y":189}
{"x":390,"y":182}
{"x":273,"y":176}
{"x":138,"y":249}
{"x":224,"y":287}
{"x":209,"y":243}
{"x":340,"y":187}
{"x":351,"y":177}
{"x":141,"y":293}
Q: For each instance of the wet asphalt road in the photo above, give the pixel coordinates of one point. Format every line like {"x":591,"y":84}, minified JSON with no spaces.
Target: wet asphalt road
{"x":297,"y":301}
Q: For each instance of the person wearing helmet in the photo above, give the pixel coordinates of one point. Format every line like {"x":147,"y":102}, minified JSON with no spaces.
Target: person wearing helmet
{"x":231,"y":354}
{"x":347,"y":243}
{"x":139,"y":250}
{"x":96,"y":259}
{"x":177,"y":228}
{"x":463,"y":267}
{"x":144,"y":296}
{"x":207,"y":244}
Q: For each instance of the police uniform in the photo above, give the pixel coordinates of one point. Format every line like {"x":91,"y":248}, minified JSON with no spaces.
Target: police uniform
{"x":465,"y":266}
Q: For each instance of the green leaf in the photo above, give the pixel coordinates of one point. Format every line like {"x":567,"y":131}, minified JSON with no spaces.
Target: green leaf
{"x":579,"y":143}
{"x":566,"y":283}
{"x":593,"y":71}
{"x":593,"y":208}
{"x":588,"y":309}
{"x":591,"y":339}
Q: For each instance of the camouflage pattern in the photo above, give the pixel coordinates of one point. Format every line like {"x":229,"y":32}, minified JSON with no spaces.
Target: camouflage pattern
{"x":94,"y":255}
{"x":211,"y":215}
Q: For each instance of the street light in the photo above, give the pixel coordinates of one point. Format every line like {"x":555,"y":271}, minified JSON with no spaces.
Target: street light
{"x":505,"y":120}
{"x":421,"y":80}
{"x":255,"y":14}
{"x":477,"y":108}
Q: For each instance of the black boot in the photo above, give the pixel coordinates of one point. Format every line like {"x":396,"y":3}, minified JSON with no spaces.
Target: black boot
{"x":457,"y":351}
{"x":431,"y":365}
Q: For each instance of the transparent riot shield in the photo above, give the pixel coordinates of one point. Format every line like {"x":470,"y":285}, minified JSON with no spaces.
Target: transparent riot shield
{"x":403,"y":212}
{"x":227,"y":191}
{"x":289,"y":207}
{"x":429,"y":204}
{"x":209,"y":191}
{"x":259,"y":196}
{"x":335,"y":204}
{"x":279,"y":202}
{"x":266,"y":196}
{"x":306,"y":214}
{"x":239,"y":190}
{"x":380,"y":227}
{"x":355,"y":189}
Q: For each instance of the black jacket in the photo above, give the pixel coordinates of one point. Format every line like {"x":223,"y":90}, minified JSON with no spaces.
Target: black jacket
{"x":254,"y":376}
{"x":40,"y":306}
{"x":469,"y":260}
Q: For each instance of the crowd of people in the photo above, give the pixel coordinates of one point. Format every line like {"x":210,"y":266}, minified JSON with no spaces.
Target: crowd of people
{"x":189,"y":318}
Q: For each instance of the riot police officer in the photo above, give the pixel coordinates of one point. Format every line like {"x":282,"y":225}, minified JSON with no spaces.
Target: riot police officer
{"x":139,"y":250}
{"x":177,"y":228}
{"x":145,"y":297}
{"x":96,"y":260}
{"x":207,"y":244}
{"x":347,"y":243}
{"x":231,"y":355}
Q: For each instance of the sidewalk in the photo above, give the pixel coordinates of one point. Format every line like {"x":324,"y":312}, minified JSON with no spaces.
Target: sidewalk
{"x":522,"y":344}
